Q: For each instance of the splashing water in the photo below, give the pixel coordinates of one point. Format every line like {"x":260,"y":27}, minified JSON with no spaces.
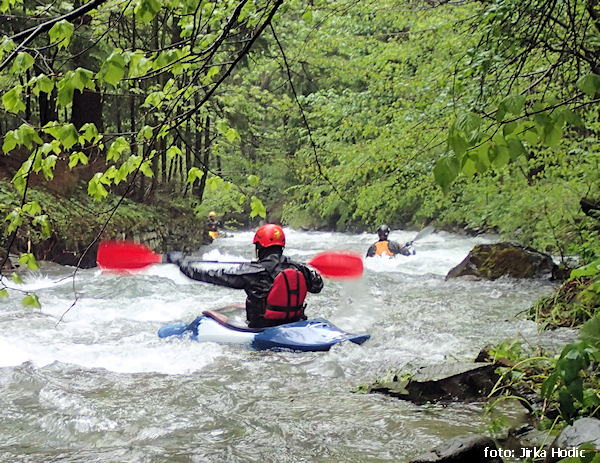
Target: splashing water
{"x":101,"y":386}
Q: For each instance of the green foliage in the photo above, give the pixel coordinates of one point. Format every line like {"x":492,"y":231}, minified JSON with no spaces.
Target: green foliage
{"x":575,"y":378}
{"x":381,"y":108}
{"x":526,"y":116}
{"x":576,"y":302}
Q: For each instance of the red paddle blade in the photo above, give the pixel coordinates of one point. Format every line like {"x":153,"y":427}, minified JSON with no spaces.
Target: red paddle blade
{"x":339,"y":265}
{"x":125,"y":255}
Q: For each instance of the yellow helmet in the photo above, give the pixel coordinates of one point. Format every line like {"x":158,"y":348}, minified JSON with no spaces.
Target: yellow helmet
{"x":212,"y":214}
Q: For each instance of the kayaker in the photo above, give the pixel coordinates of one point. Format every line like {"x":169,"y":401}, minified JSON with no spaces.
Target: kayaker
{"x":276,"y":286}
{"x":385,"y":247}
{"x":212,"y":225}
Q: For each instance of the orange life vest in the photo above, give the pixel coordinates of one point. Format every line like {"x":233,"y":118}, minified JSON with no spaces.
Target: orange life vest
{"x":382,"y":248}
{"x":286,"y":298}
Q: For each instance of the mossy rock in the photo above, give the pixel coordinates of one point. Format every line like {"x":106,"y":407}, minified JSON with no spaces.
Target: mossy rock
{"x":463,"y":382}
{"x":492,"y":261}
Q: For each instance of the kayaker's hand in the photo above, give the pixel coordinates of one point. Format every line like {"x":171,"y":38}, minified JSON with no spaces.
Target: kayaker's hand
{"x":172,"y":257}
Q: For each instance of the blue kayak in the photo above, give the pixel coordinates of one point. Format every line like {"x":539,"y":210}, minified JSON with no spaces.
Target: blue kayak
{"x":316,"y":334}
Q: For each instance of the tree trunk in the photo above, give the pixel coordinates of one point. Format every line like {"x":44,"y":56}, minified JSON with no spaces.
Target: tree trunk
{"x":87,"y":107}
{"x":204,"y":148}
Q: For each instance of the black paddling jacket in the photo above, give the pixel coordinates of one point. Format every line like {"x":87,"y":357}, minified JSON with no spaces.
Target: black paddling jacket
{"x":257,"y":280}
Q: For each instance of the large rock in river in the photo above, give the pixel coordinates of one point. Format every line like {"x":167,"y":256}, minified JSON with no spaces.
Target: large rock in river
{"x":445,"y":382}
{"x":492,"y":261}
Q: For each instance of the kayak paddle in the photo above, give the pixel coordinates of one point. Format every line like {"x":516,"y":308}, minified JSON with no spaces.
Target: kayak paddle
{"x":127,"y":255}
{"x":422,"y":234}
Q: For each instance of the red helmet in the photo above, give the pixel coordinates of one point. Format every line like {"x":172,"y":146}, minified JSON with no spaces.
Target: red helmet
{"x":269,"y":235}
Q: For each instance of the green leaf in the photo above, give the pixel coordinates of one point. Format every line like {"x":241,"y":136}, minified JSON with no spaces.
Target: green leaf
{"x":146,"y":169}
{"x":174,"y":151}
{"x":222,"y":126}
{"x":253,"y":180}
{"x":590,"y":332}
{"x":48,"y":165}
{"x":145,"y":10}
{"x":549,"y":385}
{"x":257,"y":208}
{"x":509,"y":128}
{"x":589,"y":84}
{"x":117,"y":148}
{"x":232,"y":135}
{"x":31,"y":300}
{"x":213,"y":71}
{"x":113,"y":68}
{"x":552,"y":133}
{"x":43,"y":223}
{"x":307,"y":16}
{"x":11,"y":100}
{"x":3,"y":293}
{"x":16,"y":278}
{"x":481,"y":157}
{"x":468,"y":124}
{"x":11,"y":140}
{"x":575,"y":388}
{"x":29,"y":260}
{"x":41,"y":83}
{"x":6,"y":5}
{"x":22,"y":63}
{"x":591,"y":269}
{"x":213,"y":183}
{"x":28,"y":135}
{"x":83,"y":78}
{"x":567,"y":407}
{"x":457,"y":143}
{"x":468,"y":167}
{"x":530,"y":134}
{"x":569,"y":116}
{"x":61,"y":33}
{"x":515,"y":148}
{"x":66,"y":134}
{"x":14,"y":219}
{"x":89,"y":133}
{"x":95,"y":188}
{"x":512,"y":104}
{"x":66,"y":89}
{"x":77,"y":158}
{"x":194,"y":174}
{"x":445,"y":171}
{"x":32,"y":208}
{"x":499,"y":155}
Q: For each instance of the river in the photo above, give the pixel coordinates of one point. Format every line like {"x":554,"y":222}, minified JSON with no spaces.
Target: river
{"x":86,"y":378}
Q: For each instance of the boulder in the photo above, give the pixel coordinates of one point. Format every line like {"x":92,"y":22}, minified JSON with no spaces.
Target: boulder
{"x":467,"y":449}
{"x":582,"y":431}
{"x":465,"y":382}
{"x":492,"y":261}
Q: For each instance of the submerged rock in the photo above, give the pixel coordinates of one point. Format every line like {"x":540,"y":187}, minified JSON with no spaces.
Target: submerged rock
{"x":492,"y":261}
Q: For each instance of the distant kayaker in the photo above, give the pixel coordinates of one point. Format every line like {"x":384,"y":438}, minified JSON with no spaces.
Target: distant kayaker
{"x":212,"y":225}
{"x":276,"y":286}
{"x":385,"y":247}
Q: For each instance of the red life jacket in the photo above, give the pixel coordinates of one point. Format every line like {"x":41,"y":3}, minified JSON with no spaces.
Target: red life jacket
{"x":286,"y":298}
